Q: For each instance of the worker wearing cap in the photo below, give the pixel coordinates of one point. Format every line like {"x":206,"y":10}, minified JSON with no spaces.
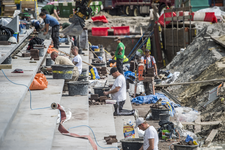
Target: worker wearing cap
{"x":50,"y":9}
{"x":149,"y":62}
{"x":120,"y":51}
{"x":118,"y":93}
{"x":151,"y":138}
{"x":51,"y":21}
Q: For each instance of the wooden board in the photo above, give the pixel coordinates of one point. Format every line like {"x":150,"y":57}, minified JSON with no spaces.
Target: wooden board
{"x":187,"y":83}
{"x":5,"y":66}
{"x":202,"y":123}
{"x":210,"y":137}
{"x":178,"y":18}
{"x":198,"y":126}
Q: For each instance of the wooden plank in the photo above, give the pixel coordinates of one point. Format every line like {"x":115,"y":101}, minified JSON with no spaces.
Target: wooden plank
{"x":210,"y":137}
{"x":202,"y":123}
{"x":28,"y":6}
{"x":27,"y":2}
{"x":177,"y":9}
{"x":177,"y":18}
{"x":5,"y":66}
{"x":187,"y":83}
{"x":197,"y":126}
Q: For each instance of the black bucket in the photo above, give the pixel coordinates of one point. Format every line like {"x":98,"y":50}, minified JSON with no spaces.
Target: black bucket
{"x":84,"y":72}
{"x":8,"y":60}
{"x":156,"y":112}
{"x":98,"y":64}
{"x":62,"y":71}
{"x":185,"y":147}
{"x":78,"y":88}
{"x":98,"y":54}
{"x":100,"y":90}
{"x":80,"y":51}
{"x":49,"y":62}
{"x":165,"y":117}
{"x":132,"y":143}
{"x":82,"y":78}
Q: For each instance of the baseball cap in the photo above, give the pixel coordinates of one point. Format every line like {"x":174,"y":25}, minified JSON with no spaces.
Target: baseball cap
{"x":139,"y":121}
{"x":117,"y":38}
{"x":112,"y":70}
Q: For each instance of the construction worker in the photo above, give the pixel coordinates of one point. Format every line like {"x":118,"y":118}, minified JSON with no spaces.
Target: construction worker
{"x":61,"y":60}
{"x":149,"y":63}
{"x":50,"y":9}
{"x":120,"y":51}
{"x":51,"y":21}
{"x":125,"y":59}
{"x":118,"y":93}
{"x":151,"y":138}
{"x":77,"y":60}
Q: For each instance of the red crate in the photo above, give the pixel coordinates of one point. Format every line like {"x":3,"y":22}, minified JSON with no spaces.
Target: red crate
{"x":99,"y":31}
{"x":123,"y":30}
{"x":99,"y":18}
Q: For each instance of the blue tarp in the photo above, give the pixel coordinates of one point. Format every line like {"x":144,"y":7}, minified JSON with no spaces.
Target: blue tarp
{"x":151,"y":99}
{"x":129,"y":73}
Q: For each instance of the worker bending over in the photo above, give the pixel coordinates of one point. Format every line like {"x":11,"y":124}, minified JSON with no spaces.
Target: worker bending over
{"x":77,"y":60}
{"x":50,"y":9}
{"x":62,"y":60}
{"x":150,"y":64}
{"x":151,"y":139}
{"x":118,"y":93}
{"x":120,"y":51}
{"x":51,"y":21}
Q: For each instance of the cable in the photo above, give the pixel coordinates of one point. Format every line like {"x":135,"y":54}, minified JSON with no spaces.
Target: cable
{"x":28,"y":89}
{"x":93,"y":135}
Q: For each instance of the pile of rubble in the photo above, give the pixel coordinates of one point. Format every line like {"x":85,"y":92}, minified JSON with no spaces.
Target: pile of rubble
{"x":202,"y":60}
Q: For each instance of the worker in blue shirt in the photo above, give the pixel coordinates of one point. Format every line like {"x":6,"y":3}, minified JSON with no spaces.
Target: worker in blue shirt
{"x":51,"y":21}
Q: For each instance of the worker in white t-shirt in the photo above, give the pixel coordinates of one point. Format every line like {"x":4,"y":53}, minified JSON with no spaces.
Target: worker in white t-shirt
{"x":77,"y":60}
{"x":151,"y":138}
{"x":118,"y":93}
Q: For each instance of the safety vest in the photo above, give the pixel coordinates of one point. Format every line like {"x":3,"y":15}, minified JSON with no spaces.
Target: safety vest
{"x":148,"y":44}
{"x":125,"y":59}
{"x":145,"y":61}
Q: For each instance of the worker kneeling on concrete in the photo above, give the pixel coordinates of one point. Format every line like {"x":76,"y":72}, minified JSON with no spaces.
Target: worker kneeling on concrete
{"x":118,"y":93}
{"x":151,"y":138}
{"x":150,"y":71}
{"x":61,"y":60}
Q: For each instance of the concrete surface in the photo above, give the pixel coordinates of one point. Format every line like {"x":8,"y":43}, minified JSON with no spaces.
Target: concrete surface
{"x":102,"y":123}
{"x":11,"y":94}
{"x":34,"y":129}
{"x":78,"y":105}
{"x":6,"y":50}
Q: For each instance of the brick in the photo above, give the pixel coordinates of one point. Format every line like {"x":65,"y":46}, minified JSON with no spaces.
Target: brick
{"x":4,"y":43}
{"x":103,"y":98}
{"x":25,"y":54}
{"x":34,"y":53}
{"x":103,"y":69}
{"x":103,"y":72}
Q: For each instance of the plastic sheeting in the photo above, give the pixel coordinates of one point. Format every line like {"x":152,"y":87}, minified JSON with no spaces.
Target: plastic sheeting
{"x":83,"y":40}
{"x":151,"y":99}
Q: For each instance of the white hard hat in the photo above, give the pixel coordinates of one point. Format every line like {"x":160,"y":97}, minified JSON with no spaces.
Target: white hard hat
{"x":12,"y":40}
{"x":139,"y":121}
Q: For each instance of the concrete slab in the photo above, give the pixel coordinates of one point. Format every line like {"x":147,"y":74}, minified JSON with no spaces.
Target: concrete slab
{"x":34,"y":129}
{"x":102,"y":123}
{"x":6,"y":50}
{"x":11,"y":94}
{"x":78,"y":105}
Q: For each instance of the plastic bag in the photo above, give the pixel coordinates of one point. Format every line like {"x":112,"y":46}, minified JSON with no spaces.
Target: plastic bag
{"x":51,"y":49}
{"x":185,"y":114}
{"x":39,"y":83}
